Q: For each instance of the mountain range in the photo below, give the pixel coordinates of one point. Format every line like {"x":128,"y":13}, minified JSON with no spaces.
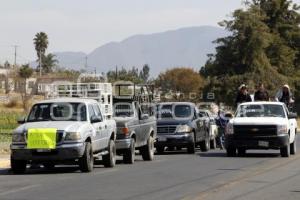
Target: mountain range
{"x":183,"y":47}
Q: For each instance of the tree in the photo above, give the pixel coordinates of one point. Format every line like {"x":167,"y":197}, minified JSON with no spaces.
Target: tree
{"x":124,"y":75}
{"x":7,"y":65}
{"x":180,"y":80}
{"x":41,"y":44}
{"x":265,"y":43}
{"x":145,"y":73}
{"x":49,"y":62}
{"x":25,"y":72}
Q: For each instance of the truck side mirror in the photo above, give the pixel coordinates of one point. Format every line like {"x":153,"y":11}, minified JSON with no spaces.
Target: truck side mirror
{"x":95,"y":119}
{"x":144,"y":116}
{"x":21,"y":120}
{"x":292,"y":115}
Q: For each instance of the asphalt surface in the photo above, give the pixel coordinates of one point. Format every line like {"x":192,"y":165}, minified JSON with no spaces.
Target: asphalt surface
{"x":174,"y":175}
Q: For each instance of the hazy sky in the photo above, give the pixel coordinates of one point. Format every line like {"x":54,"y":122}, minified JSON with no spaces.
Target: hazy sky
{"x":83,"y":25}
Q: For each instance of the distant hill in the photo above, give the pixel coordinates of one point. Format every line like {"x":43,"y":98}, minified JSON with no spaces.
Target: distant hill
{"x":182,"y":47}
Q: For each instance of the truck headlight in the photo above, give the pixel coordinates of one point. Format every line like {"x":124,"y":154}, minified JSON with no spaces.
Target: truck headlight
{"x":71,"y":136}
{"x":282,"y":129}
{"x":18,"y":138}
{"x":183,"y":129}
{"x":229,"y":129}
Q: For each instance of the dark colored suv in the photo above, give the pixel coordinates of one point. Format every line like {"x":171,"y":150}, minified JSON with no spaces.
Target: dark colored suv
{"x":179,"y":125}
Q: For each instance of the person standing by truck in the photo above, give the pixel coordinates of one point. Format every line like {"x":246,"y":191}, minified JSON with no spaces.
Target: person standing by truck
{"x":243,"y":95}
{"x":285,"y":95}
{"x":261,"y":94}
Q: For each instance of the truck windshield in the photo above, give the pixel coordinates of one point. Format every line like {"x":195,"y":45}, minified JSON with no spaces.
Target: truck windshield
{"x":58,"y":112}
{"x":261,"y":110}
{"x":171,"y":111}
{"x":123,"y":110}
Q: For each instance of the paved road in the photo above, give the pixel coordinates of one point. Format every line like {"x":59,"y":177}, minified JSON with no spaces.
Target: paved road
{"x":260,"y":175}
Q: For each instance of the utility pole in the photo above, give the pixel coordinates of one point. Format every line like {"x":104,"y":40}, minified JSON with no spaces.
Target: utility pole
{"x":86,"y":63}
{"x":116,"y":73}
{"x":15,"y":56}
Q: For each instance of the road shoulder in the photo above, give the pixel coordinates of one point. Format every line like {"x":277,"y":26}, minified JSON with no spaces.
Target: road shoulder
{"x":4,"y":161}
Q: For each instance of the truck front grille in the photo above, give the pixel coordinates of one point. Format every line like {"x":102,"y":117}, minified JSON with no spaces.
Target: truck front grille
{"x":166,"y":129}
{"x":255,"y":130}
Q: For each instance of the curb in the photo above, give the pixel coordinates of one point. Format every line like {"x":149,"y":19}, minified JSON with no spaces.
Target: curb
{"x":4,"y":163}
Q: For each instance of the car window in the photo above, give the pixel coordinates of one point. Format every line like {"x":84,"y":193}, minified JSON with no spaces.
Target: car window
{"x":97,"y":111}
{"x":183,"y":111}
{"x":261,"y":110}
{"x":91,"y":111}
{"x":164,"y":111}
{"x":57,"y":112}
{"x":123,"y":109}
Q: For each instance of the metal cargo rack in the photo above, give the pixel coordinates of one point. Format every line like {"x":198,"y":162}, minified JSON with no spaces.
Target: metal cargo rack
{"x":101,"y":92}
{"x":127,"y":91}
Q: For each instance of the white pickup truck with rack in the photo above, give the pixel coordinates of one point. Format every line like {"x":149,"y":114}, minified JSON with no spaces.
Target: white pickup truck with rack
{"x":74,"y":126}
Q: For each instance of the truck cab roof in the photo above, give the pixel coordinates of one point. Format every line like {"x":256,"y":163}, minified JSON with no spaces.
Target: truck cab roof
{"x":69,"y":100}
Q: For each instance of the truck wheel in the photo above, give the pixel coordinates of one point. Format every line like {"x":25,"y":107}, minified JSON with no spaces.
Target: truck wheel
{"x":213,"y":143}
{"x":147,"y":151}
{"x":160,"y":149}
{"x":293,"y":146}
{"x":129,"y":154}
{"x":18,"y":166}
{"x":285,"y":151}
{"x":191,"y":149}
{"x":86,"y":162}
{"x":204,"y":145}
{"x":231,"y":151}
{"x":109,"y":160}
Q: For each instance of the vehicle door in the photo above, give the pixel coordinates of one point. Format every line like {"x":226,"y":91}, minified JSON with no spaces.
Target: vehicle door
{"x":147,"y":121}
{"x":96,"y":136}
{"x":198,"y":124}
{"x":104,"y":135}
{"x":139,"y":127}
{"x":291,"y":123}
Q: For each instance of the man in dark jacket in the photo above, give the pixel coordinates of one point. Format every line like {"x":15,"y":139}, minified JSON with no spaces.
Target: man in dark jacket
{"x":261,"y":94}
{"x":243,"y":95}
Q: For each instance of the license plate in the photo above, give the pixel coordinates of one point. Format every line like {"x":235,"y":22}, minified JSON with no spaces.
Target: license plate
{"x":162,"y":139}
{"x":43,"y":150}
{"x":263,"y":144}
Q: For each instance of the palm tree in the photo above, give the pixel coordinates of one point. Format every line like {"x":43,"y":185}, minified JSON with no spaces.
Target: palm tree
{"x":41,"y":44}
{"x":49,"y":62}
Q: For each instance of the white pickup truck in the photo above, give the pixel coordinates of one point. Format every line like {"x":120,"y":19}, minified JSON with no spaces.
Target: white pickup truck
{"x":262,"y":125}
{"x":63,"y":131}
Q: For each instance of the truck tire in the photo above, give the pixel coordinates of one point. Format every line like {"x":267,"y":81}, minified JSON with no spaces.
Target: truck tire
{"x":86,"y":162}
{"x":204,"y":145}
{"x":213,"y":143}
{"x":160,"y":149}
{"x":293,"y":146}
{"x":109,"y":160}
{"x":231,"y":151}
{"x":129,"y":154}
{"x":147,"y":151}
{"x":285,"y":151}
{"x":18,"y":166}
{"x":191,"y":149}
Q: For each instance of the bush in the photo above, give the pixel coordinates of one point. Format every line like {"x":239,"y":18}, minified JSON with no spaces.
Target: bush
{"x":13,"y":102}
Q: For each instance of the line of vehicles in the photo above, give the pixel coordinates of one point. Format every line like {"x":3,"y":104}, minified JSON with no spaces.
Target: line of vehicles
{"x":95,"y":121}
